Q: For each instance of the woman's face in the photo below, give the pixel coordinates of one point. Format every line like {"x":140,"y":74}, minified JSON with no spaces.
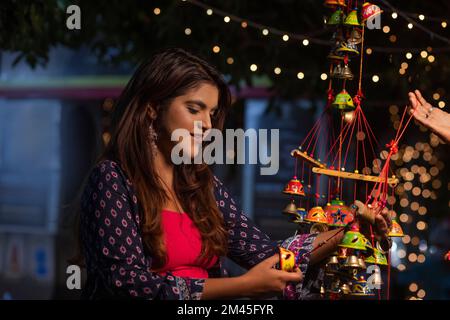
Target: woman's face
{"x":193,"y":109}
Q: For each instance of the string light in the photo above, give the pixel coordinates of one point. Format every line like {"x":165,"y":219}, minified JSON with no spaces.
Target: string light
{"x":441,"y":104}
{"x":394,"y":15}
{"x":285,"y":37}
{"x":230,"y":60}
{"x":187,"y":31}
{"x":216,"y":49}
{"x":409,"y":55}
{"x":305,"y":42}
{"x":375,"y":78}
{"x":323,"y":76}
{"x":277,"y":70}
{"x":265,"y":32}
{"x":209,"y":12}
{"x":410,"y":26}
{"x":300,"y":75}
{"x":423,"y":54}
{"x":444,"y":24}
{"x":253,"y":67}
{"x":157,"y":11}
{"x":386,"y":29}
{"x":421,"y":17}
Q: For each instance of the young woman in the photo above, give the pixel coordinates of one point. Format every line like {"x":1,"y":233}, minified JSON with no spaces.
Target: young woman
{"x":155,"y":230}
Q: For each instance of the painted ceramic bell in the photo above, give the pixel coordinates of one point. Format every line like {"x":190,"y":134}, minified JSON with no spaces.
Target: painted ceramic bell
{"x":336,"y":18}
{"x":360,"y":287}
{"x":370,"y":11}
{"x":294,"y":187}
{"x":369,"y":248}
{"x":353,"y":239}
{"x":316,"y":214}
{"x":334,"y":3}
{"x":287,"y":260}
{"x":301,"y":214}
{"x":377,"y":258}
{"x":343,"y":101}
{"x":339,"y":215}
{"x":396,"y":229}
{"x":352,"y":19}
{"x":347,"y":48}
{"x":355,"y":36}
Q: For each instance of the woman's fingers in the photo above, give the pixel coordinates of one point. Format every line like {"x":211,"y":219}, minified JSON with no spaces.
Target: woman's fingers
{"x":413,"y":100}
{"x":272,"y":261}
{"x":420,"y":98}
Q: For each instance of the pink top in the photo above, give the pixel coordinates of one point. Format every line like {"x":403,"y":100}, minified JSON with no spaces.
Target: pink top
{"x":183,"y":245}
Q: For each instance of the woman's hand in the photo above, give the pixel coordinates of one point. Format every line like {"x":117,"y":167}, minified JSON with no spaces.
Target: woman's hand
{"x":263,"y":280}
{"x":433,"y":118}
{"x":376,"y":215}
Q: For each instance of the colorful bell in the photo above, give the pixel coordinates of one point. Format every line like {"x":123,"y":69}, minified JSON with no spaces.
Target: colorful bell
{"x":353,"y":239}
{"x":347,"y":73}
{"x":360,"y":287}
{"x":355,"y":36}
{"x":351,"y":262}
{"x":396,"y":229}
{"x":334,"y":3}
{"x":377,"y":258}
{"x":348,"y":48}
{"x":343,"y":101}
{"x":336,"y":18}
{"x":294,"y":187}
{"x":370,"y":11}
{"x":369,"y":247}
{"x":316,"y":214}
{"x":287,"y":260}
{"x":339,"y":215}
{"x":352,"y":19}
{"x":301,"y":213}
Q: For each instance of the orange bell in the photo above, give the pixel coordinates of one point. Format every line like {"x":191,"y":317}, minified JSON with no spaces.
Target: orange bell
{"x":316,"y":214}
{"x":396,"y":229}
{"x":334,"y":3}
{"x":294,"y":187}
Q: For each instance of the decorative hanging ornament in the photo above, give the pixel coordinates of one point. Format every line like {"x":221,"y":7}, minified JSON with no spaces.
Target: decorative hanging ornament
{"x":396,"y":229}
{"x":337,"y":71}
{"x":316,"y":214}
{"x":348,"y":48}
{"x":360,"y":287}
{"x":334,"y":3}
{"x":339,"y":215}
{"x":294,"y":187}
{"x":287,"y":260}
{"x":370,"y":11}
{"x":352,"y":19}
{"x":343,"y":101}
{"x":336,"y":18}
{"x":347,"y":73}
{"x":290,"y":209}
{"x":353,"y":239}
{"x":377,"y":258}
{"x":355,"y":36}
{"x":301,"y":214}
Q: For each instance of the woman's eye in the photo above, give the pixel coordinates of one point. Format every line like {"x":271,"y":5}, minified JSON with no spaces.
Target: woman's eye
{"x":192,"y":110}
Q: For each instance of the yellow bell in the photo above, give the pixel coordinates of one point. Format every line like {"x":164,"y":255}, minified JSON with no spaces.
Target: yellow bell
{"x":336,"y":18}
{"x":396,"y":229}
{"x":345,"y":289}
{"x":343,"y":101}
{"x":290,"y":209}
{"x":352,"y":19}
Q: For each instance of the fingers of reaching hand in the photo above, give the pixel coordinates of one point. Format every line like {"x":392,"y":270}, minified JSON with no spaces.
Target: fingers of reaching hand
{"x":420,"y":97}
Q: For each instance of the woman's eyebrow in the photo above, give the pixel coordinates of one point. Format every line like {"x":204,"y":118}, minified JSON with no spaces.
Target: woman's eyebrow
{"x":200,"y":103}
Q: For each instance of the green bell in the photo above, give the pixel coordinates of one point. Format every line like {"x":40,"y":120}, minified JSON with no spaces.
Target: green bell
{"x":336,"y":18}
{"x":343,"y":101}
{"x":352,"y":19}
{"x":377,"y":258}
{"x":353,"y":239}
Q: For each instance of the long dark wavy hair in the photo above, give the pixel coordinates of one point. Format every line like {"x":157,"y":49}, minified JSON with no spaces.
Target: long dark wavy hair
{"x":168,"y":74}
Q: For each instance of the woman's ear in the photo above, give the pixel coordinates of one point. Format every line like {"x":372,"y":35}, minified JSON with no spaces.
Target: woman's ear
{"x":151,"y":112}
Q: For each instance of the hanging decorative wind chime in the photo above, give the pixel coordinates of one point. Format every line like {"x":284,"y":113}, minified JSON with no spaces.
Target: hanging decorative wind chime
{"x":345,"y":270}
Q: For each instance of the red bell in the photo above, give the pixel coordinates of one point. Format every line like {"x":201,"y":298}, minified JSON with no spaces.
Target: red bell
{"x":294,"y":187}
{"x":369,"y":11}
